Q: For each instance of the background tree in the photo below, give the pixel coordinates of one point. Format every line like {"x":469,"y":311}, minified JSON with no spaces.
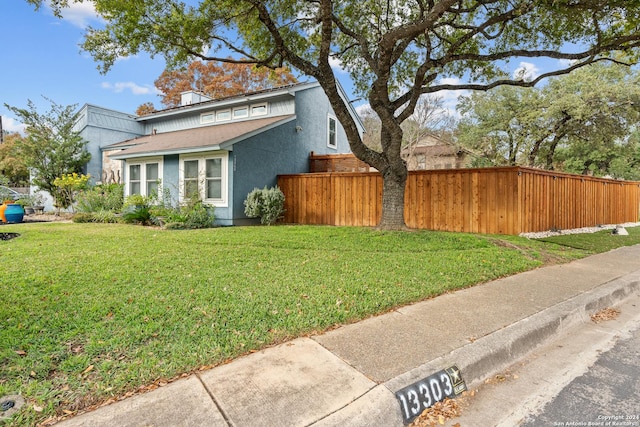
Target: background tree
{"x":146,"y":108}
{"x":216,"y":80}
{"x":394,"y":51}
{"x":372,"y":125}
{"x":502,"y":124}
{"x":580,"y":123}
{"x":12,"y":165}
{"x":429,"y":118}
{"x":52,"y":147}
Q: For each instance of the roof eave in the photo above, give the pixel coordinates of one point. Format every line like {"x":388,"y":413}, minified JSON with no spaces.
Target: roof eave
{"x":226,"y":145}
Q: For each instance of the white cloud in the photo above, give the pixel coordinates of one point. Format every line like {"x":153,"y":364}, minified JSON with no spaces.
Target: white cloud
{"x":526,"y":71}
{"x":565,"y":63}
{"x":336,"y":64}
{"x":451,"y":98}
{"x":81,"y":14}
{"x":135,"y":89}
{"x":9,"y":124}
{"x":363,"y":108}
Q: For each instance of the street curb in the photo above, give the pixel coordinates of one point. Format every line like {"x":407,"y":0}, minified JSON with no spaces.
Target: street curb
{"x":498,"y":350}
{"x":488,"y":355}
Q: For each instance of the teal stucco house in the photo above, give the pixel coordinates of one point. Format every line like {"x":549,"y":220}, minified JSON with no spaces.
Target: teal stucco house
{"x":220,"y":149}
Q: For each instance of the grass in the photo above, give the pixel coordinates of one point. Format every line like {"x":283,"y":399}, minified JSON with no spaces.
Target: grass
{"x":94,"y":312}
{"x":602,"y":241}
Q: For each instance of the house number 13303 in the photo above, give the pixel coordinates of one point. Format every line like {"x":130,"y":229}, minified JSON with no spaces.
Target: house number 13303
{"x":421,"y":395}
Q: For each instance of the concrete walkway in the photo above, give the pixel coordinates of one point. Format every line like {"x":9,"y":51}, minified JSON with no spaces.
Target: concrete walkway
{"x":349,"y":376}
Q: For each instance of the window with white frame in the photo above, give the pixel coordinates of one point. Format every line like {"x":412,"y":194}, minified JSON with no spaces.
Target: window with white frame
{"x":332,"y":132}
{"x":152,"y":177}
{"x":143,"y":176}
{"x":236,"y":113}
{"x":134,"y":179}
{"x":223,"y":115}
{"x":204,"y":176}
{"x":207,"y":118}
{"x":259,"y":110}
{"x":240,"y":112}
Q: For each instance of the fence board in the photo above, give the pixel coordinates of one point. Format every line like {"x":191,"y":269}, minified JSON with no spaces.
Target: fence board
{"x":508,"y":200}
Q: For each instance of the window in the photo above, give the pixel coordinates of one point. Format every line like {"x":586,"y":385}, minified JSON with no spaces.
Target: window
{"x":240,"y":113}
{"x":152,"y":178}
{"x":205,"y":177}
{"x":213,"y":178}
{"x":259,"y":110}
{"x":332,"y":140}
{"x":143,"y":176}
{"x":223,"y":115}
{"x":190,"y":181}
{"x":134,"y":179}
{"x":206,"y":118}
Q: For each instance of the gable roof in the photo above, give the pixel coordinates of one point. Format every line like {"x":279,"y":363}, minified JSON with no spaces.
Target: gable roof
{"x":205,"y":138}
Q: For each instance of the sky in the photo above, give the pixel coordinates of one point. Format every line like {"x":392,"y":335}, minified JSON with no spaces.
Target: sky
{"x":42,"y":60}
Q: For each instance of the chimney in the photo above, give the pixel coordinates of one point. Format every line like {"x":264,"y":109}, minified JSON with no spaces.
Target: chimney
{"x":192,"y":97}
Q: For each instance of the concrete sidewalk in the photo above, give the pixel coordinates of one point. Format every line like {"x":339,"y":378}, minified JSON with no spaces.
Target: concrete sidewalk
{"x":349,"y":376}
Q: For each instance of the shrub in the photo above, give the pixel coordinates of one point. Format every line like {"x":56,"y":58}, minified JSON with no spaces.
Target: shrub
{"x":194,"y":214}
{"x":197,"y":215}
{"x":83,"y":217}
{"x":104,"y":197}
{"x":267,"y":204}
{"x":137,"y":209}
{"x":107,"y":217}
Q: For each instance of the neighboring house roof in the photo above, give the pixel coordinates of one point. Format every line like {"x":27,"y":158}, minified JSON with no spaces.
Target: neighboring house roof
{"x":437,"y":150}
{"x":205,"y":138}
{"x":434,"y":146}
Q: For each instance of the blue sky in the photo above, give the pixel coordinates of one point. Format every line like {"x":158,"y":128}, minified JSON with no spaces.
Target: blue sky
{"x":42,"y":58}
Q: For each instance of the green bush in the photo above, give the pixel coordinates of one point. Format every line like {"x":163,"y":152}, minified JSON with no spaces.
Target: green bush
{"x":197,"y":215}
{"x":104,"y":197}
{"x":192,"y":214}
{"x":104,"y":217}
{"x":137,"y":209}
{"x":83,"y":217}
{"x":267,"y":204}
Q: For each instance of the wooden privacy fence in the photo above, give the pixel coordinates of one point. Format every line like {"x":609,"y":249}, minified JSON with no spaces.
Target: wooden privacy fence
{"x":336,"y":163}
{"x":509,"y":200}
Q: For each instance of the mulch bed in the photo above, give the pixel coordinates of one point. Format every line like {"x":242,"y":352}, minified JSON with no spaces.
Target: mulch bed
{"x":8,"y":236}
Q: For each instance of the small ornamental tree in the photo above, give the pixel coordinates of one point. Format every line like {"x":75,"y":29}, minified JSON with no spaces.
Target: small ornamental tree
{"x":67,"y":187}
{"x":52,"y":147}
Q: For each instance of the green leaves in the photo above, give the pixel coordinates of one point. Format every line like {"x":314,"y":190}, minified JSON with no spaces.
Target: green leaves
{"x":581,"y":122}
{"x":52,"y":147}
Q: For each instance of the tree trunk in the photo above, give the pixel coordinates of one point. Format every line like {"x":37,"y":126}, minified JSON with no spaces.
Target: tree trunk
{"x":393,"y":186}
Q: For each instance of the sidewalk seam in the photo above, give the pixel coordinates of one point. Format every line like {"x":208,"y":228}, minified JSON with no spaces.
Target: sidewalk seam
{"x":224,"y":414}
{"x":343,"y":407}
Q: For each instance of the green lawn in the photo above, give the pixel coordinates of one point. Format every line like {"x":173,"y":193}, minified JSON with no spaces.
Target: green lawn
{"x":91,"y":312}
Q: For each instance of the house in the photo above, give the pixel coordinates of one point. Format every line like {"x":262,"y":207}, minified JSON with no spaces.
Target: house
{"x":219,"y":149}
{"x":433,"y":152}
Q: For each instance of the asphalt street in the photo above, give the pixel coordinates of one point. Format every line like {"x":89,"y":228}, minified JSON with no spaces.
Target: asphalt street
{"x":587,"y":376}
{"x":608,"y":394}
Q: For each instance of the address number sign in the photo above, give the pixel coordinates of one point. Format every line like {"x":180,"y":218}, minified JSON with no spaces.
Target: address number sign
{"x":421,"y":395}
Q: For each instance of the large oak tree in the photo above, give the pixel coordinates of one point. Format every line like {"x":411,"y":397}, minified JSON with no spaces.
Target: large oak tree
{"x":394,"y":50}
